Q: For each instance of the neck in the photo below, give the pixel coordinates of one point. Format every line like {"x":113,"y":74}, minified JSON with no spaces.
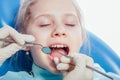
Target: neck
{"x":45,"y":74}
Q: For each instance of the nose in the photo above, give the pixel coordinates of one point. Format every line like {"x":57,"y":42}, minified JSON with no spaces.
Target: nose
{"x":59,"y":32}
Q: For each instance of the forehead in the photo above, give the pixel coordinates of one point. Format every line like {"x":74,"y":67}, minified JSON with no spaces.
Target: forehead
{"x":53,"y":6}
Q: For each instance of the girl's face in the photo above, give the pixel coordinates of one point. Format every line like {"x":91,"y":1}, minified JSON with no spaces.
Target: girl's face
{"x":54,"y":24}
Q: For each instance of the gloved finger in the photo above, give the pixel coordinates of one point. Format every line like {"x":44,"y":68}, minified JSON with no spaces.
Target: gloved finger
{"x":1,"y":44}
{"x":8,"y":31}
{"x":63,"y":71}
{"x":62,"y":66}
{"x":11,"y":49}
{"x":56,"y":60}
{"x":81,"y":61}
{"x":64,"y":59}
{"x":78,"y":59}
{"x":3,"y":32}
{"x":28,"y":38}
{"x":67,"y":66}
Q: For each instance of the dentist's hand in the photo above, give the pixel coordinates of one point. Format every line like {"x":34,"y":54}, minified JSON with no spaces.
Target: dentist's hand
{"x":78,"y":71}
{"x":9,"y":50}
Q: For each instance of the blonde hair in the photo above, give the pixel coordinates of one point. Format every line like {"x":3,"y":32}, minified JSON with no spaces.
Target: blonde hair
{"x":24,"y":17}
{"x":86,"y":47}
{"x":24,"y":14}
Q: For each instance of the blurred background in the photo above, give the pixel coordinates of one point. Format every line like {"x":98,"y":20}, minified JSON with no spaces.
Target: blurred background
{"x":102,"y":17}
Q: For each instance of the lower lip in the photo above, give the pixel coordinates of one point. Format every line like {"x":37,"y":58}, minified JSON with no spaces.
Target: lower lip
{"x":50,"y":57}
{"x":52,"y":63}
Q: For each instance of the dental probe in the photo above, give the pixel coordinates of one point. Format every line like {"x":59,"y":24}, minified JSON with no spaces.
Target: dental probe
{"x":44,"y":49}
{"x":104,"y":74}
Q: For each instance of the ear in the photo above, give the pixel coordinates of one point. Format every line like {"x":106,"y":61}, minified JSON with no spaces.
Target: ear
{"x":26,"y":48}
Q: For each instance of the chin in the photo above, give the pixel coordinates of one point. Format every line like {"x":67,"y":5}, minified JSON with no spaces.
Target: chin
{"x":55,"y":71}
{"x":52,"y":68}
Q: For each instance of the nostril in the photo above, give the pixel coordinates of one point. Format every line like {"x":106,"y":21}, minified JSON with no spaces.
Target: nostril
{"x":64,"y":34}
{"x":57,"y":34}
{"x":60,"y":34}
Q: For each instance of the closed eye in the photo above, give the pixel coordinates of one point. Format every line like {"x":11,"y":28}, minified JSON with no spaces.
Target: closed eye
{"x":71,"y":25}
{"x":44,"y":25}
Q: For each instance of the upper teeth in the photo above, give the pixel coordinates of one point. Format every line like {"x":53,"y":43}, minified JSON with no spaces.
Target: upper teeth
{"x":58,"y":46}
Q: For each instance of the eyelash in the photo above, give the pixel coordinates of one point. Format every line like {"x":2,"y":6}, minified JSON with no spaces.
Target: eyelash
{"x":71,"y":25}
{"x":44,"y":25}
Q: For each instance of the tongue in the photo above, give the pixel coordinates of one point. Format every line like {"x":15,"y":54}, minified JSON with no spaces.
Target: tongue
{"x":56,"y":53}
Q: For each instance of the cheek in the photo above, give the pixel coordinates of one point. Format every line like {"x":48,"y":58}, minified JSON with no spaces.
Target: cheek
{"x":80,"y":40}
{"x":39,"y":34}
{"x":40,"y":58}
{"x":35,"y":51}
{"x":36,"y":54}
{"x":76,"y":41}
{"x":79,"y":36}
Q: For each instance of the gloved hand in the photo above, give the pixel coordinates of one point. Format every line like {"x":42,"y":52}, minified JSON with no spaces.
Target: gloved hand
{"x":76,"y":71}
{"x":9,"y":50}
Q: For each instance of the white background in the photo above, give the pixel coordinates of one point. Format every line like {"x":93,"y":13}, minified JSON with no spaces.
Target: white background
{"x":102,"y":17}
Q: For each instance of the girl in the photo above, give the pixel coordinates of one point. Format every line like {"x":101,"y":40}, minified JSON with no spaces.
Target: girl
{"x":56,"y":25}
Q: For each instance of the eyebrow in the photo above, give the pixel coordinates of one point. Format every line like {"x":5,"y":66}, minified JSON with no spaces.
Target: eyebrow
{"x":39,"y":15}
{"x":70,"y":14}
{"x":49,"y":15}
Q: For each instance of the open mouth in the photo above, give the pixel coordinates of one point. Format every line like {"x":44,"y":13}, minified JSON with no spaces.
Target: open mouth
{"x":56,"y":49}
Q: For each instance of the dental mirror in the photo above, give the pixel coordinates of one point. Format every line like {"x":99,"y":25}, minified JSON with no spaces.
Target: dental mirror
{"x":46,"y":50}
